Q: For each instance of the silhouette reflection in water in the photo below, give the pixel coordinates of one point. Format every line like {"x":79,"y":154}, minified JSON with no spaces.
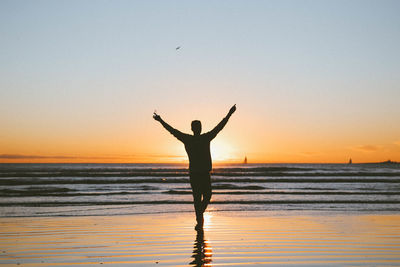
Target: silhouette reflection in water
{"x":202,"y":252}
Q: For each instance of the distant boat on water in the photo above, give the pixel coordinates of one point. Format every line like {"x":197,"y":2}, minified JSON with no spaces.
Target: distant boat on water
{"x":245,"y":160}
{"x":350,"y":161}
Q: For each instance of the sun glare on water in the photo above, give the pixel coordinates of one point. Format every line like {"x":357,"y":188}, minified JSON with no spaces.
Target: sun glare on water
{"x":207,"y":220}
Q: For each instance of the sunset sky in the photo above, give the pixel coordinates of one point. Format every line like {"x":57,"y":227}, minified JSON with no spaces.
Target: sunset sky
{"x":314,"y":81}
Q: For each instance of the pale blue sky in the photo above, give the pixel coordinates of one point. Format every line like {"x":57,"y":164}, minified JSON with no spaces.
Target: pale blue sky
{"x":328,"y":67}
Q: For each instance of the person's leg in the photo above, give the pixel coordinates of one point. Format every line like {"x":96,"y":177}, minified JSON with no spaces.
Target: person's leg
{"x":196,"y":191}
{"x":198,"y":208}
{"x":206,"y":192}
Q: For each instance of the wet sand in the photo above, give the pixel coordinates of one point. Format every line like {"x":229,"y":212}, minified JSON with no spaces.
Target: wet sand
{"x":229,"y":238}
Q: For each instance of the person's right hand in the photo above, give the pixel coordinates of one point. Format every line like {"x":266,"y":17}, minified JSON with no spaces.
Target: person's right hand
{"x":233,"y":109}
{"x":156,"y":117}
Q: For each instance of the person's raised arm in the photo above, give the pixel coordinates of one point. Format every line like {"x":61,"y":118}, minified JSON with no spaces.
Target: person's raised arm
{"x":178,"y":134}
{"x":213,"y":133}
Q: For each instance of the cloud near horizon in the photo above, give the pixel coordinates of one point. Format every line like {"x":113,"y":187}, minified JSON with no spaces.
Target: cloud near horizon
{"x":367,"y":148}
{"x":19,"y":156}
{"x":22,"y":156}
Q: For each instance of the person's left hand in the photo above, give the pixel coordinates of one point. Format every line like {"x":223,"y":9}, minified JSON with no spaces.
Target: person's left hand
{"x":156,"y":117}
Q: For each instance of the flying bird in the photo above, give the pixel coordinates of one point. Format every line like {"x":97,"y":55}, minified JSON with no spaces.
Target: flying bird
{"x":178,"y":47}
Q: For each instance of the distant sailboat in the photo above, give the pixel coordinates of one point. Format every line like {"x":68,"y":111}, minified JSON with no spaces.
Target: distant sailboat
{"x":245,"y":160}
{"x":350,"y":161}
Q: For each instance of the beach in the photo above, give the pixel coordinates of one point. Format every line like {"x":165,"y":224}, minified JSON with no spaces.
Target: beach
{"x":229,"y":239}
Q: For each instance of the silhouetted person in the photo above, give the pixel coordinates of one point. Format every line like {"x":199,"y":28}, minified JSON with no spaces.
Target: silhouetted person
{"x":197,"y":147}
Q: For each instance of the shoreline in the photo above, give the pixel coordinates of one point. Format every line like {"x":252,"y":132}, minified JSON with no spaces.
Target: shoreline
{"x":227,"y":212}
{"x":213,"y":208}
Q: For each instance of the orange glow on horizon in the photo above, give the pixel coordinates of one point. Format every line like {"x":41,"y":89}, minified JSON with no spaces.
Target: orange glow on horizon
{"x":231,"y":146}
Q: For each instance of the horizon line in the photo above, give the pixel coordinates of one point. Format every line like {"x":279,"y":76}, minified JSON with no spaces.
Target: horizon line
{"x":214,"y":163}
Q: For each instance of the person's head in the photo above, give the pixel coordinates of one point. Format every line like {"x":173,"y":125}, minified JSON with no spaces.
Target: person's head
{"x":196,"y":127}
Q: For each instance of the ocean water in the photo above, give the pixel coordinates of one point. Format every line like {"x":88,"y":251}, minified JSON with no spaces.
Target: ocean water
{"x":116,"y":189}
